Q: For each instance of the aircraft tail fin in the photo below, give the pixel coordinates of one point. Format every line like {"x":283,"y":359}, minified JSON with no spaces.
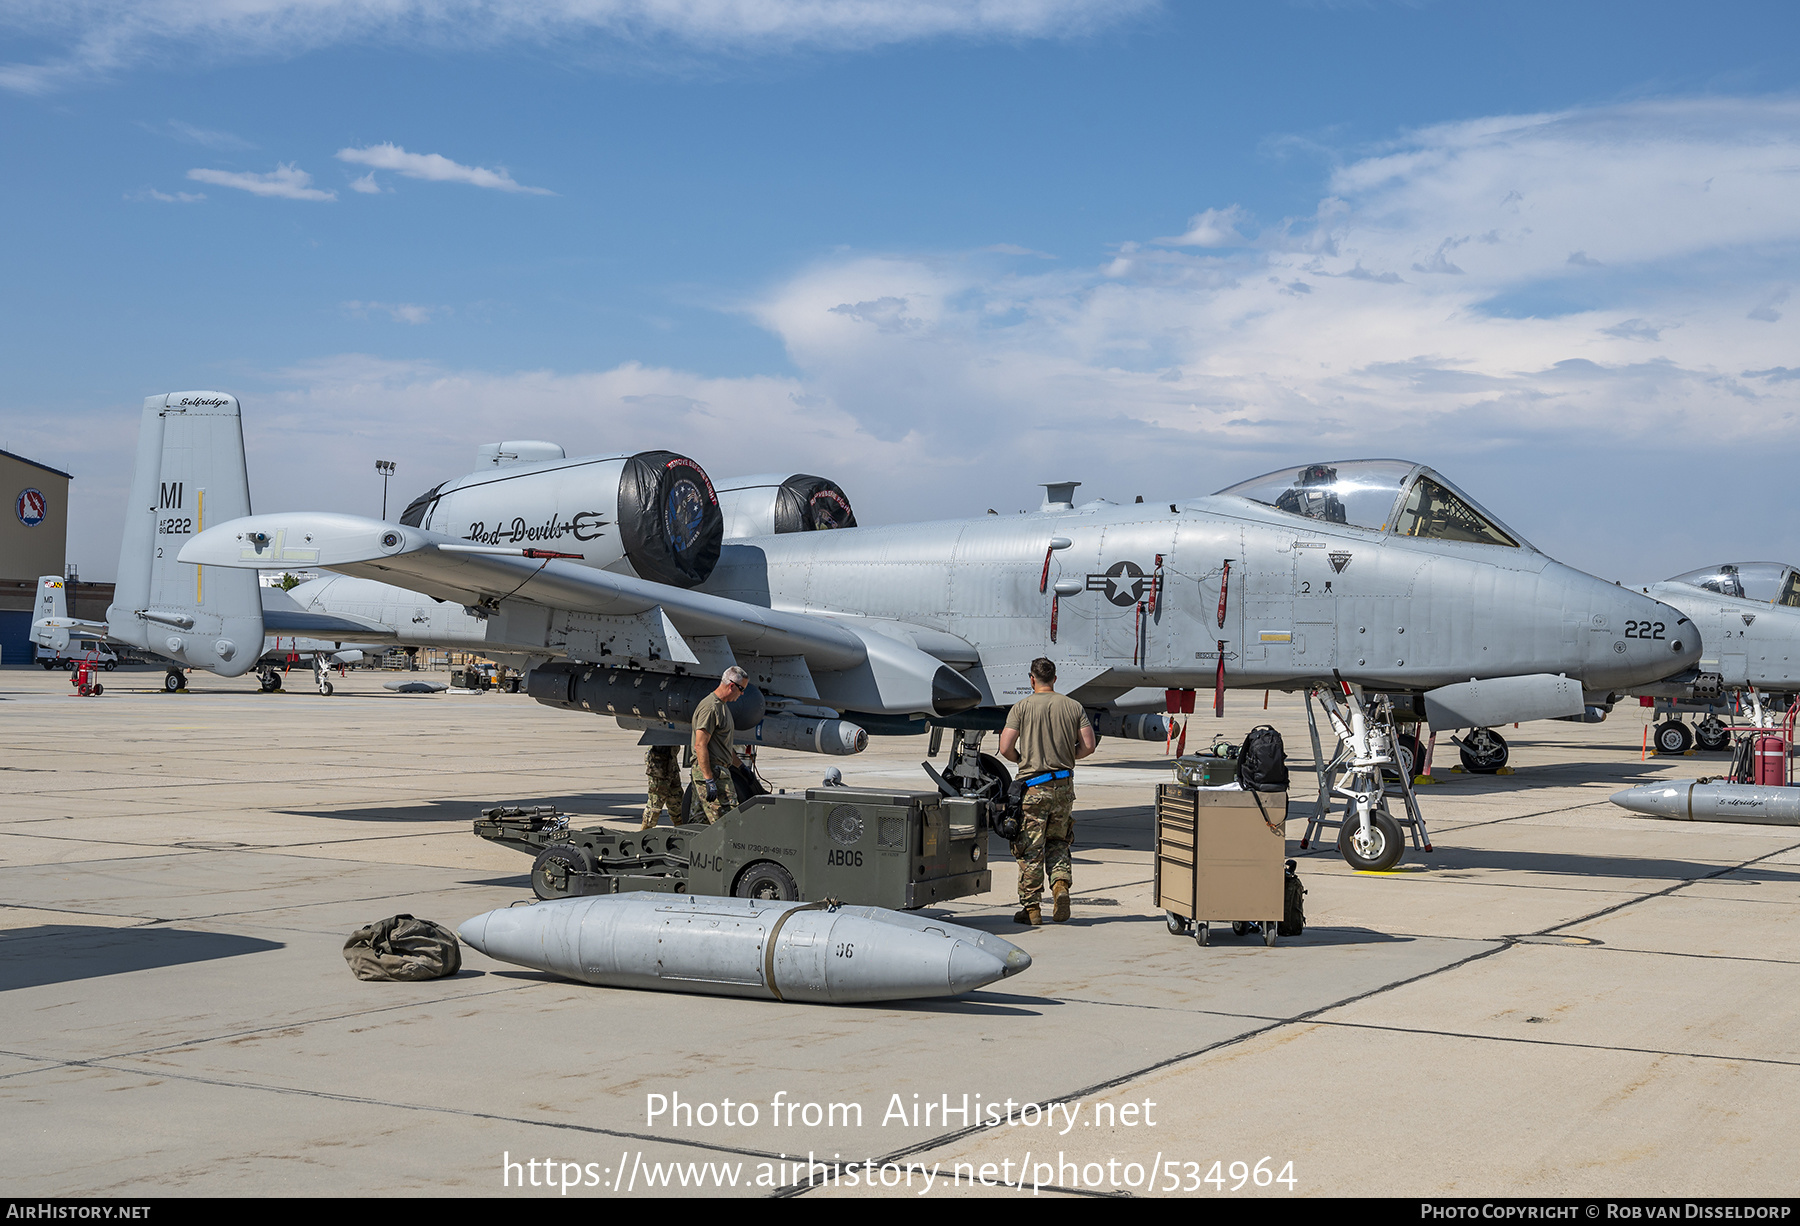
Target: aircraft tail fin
{"x":190,"y":473}
{"x":52,"y":608}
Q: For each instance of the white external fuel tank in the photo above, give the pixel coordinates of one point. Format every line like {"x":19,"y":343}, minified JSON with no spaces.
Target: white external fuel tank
{"x":811,"y":952}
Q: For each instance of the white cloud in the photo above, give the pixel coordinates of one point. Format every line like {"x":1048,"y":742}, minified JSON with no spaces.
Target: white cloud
{"x":150,"y":193}
{"x":366,"y":185}
{"x":286,"y":181}
{"x":101,"y":36}
{"x":1213,"y":228}
{"x":433,"y":167}
{"x":399,"y":312}
{"x":209,"y":137}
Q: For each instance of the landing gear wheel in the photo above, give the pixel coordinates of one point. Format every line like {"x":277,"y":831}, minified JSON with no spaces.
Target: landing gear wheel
{"x":992,"y":770}
{"x":566,"y":858}
{"x":1178,"y":925}
{"x":1712,"y":735}
{"x":325,"y":688}
{"x":767,"y":880}
{"x":174,"y":681}
{"x":1409,"y":753}
{"x":1673,"y":736}
{"x":1380,"y":852}
{"x":1484,"y":751}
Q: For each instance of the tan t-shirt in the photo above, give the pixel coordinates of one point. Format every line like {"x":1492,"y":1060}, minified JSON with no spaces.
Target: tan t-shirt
{"x":1049,"y":727}
{"x":714,"y":717}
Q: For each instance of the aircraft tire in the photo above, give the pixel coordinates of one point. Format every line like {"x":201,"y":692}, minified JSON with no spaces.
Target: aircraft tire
{"x":172,"y":681}
{"x":767,"y":880}
{"x":1387,"y":846}
{"x":1484,"y":751}
{"x":1409,"y":752}
{"x":994,"y":768}
{"x":1712,"y":736}
{"x":1673,"y":737}
{"x":574,"y":859}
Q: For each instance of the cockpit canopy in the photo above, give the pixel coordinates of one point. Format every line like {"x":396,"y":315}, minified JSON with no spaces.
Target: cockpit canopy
{"x":1396,"y":496}
{"x":1768,"y":582}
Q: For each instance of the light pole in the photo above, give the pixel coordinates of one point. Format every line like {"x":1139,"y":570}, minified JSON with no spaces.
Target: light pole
{"x":386,"y":469}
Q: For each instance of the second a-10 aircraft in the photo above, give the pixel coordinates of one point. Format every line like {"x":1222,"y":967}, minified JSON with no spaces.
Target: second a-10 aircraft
{"x":1748,"y":614}
{"x":612,"y":577}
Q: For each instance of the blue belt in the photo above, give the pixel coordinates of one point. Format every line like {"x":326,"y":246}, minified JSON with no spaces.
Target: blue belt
{"x":1047,"y":777}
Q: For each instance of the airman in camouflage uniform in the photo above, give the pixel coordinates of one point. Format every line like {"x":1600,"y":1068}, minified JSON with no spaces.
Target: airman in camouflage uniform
{"x":714,"y":755}
{"x":665,"y":785}
{"x":1045,"y":837}
{"x":1046,"y":734}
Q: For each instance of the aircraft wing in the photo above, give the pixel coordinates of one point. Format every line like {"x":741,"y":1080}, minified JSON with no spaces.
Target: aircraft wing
{"x":282,"y":615}
{"x":855,"y":669}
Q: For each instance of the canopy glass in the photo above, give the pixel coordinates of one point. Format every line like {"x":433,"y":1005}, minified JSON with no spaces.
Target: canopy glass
{"x":1768,"y":582}
{"x":1396,"y":496}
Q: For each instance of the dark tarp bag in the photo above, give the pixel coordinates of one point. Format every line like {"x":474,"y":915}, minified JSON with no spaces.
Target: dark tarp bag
{"x":1262,"y":762}
{"x":403,"y":949}
{"x":1293,"y":905}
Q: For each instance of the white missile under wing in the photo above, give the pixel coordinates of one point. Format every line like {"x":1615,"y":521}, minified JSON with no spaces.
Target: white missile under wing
{"x":556,"y":606}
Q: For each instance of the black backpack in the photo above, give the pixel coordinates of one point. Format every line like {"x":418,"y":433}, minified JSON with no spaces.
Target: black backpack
{"x":1262,"y":762}
{"x":1293,"y":905}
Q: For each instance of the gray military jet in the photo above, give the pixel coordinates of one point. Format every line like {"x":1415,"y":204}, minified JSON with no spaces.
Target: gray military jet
{"x":613,"y":577}
{"x":1748,"y":615}
{"x":189,"y":472}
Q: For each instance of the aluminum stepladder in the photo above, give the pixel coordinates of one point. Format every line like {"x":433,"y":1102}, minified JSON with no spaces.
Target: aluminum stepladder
{"x":1346,"y":768}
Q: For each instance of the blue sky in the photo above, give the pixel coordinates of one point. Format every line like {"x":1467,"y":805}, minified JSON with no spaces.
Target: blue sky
{"x":940,"y":251}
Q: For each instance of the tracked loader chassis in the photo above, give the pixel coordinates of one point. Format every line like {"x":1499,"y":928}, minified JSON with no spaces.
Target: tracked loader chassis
{"x":901,"y":850}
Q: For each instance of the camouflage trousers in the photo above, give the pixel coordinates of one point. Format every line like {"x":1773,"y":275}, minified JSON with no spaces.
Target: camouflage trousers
{"x":665,"y":786}
{"x":1046,"y":833}
{"x":728,"y":798}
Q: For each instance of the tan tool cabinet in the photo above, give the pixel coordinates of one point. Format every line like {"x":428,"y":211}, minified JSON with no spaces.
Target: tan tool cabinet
{"x":1218,"y":860}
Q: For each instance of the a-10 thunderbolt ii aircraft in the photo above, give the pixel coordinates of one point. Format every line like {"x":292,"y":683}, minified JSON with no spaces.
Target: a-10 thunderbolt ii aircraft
{"x":190,"y":471}
{"x":1748,"y":615}
{"x":611,"y":575}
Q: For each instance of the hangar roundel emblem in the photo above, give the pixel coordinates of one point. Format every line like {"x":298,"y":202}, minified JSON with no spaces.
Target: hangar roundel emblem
{"x":31,"y":507}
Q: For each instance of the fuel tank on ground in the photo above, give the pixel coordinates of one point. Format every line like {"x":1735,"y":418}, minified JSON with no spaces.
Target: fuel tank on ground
{"x":1693,"y":801}
{"x":806,"y":952}
{"x":653,"y":515}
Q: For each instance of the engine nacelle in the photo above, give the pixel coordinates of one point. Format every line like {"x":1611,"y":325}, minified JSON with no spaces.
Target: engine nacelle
{"x":770,"y":504}
{"x":653,"y":514}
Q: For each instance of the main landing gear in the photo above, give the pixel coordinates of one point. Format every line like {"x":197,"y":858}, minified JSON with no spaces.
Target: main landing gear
{"x":1484,"y":751}
{"x":174,"y":680}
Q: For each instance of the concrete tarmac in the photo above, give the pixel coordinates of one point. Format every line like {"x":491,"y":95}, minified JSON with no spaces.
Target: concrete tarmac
{"x":1562,"y":1000}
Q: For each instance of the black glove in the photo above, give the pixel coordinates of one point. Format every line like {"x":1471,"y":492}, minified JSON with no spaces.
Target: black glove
{"x":712,"y":789}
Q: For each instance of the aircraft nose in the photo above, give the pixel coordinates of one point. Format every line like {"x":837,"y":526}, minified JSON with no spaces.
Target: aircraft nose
{"x":1649,"y":640}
